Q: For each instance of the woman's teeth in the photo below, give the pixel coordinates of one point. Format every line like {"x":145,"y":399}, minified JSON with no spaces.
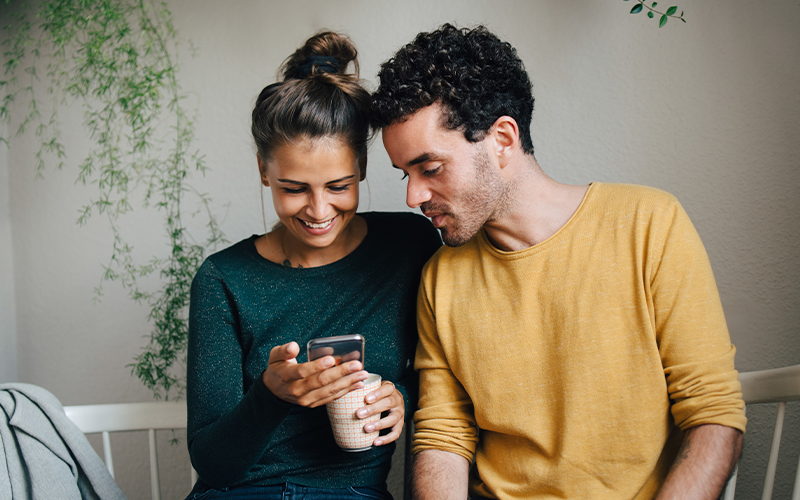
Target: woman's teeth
{"x":321,"y":225}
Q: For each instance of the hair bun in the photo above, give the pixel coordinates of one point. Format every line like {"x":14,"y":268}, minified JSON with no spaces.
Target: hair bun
{"x":316,"y":64}
{"x":324,"y":53}
{"x":317,"y":98}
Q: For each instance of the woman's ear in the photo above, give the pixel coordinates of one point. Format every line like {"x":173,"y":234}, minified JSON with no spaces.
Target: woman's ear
{"x":262,"y":170}
{"x":362,"y":167}
{"x":506,"y":138}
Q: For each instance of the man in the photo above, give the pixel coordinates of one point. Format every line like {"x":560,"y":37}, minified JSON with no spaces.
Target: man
{"x":572,"y":341}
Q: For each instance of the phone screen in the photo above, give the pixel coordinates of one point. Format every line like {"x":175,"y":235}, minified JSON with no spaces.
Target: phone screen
{"x":343,"y":348}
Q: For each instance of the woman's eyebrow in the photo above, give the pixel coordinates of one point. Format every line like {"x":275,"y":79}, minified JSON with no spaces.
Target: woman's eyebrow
{"x":340,"y":180}
{"x":289,"y":181}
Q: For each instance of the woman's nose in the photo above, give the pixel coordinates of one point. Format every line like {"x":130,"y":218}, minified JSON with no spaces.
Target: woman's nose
{"x":318,"y":206}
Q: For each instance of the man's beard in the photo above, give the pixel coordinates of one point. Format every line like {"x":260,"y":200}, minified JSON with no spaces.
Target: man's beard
{"x":483,"y":200}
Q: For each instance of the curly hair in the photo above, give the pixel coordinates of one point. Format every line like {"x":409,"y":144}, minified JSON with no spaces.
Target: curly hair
{"x":475,"y":76}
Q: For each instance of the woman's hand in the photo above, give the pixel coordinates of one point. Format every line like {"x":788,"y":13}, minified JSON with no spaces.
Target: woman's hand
{"x":313,"y":383}
{"x":385,"y":398}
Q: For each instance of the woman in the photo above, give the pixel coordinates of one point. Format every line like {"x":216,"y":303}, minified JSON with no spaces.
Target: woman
{"x":257,"y":423}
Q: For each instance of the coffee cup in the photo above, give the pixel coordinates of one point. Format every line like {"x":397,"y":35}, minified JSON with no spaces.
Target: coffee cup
{"x":348,"y":429}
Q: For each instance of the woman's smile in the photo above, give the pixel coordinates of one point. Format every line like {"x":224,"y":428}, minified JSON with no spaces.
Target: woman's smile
{"x":318,"y":227}
{"x":314,"y":186}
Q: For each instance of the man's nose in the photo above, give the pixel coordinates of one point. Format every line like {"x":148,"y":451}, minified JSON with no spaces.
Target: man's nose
{"x":416,"y":193}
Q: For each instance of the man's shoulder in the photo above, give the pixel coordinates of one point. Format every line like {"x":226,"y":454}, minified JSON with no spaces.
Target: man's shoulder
{"x":643,"y":204}
{"x":632,"y":194}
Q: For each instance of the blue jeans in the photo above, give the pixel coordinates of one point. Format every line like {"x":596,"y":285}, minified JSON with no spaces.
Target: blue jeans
{"x":289,"y":491}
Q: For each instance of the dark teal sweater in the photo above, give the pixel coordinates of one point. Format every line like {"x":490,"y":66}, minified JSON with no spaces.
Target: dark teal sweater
{"x":242,"y":305}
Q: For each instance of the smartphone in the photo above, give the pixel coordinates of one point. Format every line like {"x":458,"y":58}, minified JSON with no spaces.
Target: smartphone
{"x":343,"y":348}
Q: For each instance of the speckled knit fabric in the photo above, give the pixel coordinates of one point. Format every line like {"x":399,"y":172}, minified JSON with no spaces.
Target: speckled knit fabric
{"x":243,"y":305}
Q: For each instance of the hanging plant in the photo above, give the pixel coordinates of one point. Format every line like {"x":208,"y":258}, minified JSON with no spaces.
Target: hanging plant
{"x":651,"y":12}
{"x":118,"y":60}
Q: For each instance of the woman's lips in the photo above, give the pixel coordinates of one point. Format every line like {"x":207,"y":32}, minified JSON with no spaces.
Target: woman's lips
{"x":318,"y":228}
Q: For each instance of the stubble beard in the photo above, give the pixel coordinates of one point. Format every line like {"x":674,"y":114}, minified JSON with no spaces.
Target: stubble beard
{"x":484,"y":200}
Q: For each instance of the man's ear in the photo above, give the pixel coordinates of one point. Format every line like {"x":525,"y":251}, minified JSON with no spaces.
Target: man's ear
{"x":362,"y":168}
{"x":506,"y":139}
{"x":262,"y":170}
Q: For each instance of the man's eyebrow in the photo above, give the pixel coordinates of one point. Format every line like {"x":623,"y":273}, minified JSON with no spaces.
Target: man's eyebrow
{"x":420,"y":159}
{"x":416,"y":161}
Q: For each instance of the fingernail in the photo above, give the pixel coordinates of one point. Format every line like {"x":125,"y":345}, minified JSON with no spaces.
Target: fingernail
{"x":354,"y":367}
{"x":369,"y":428}
{"x":377,"y":442}
{"x":362,"y":413}
{"x":327,"y":362}
{"x":370,"y":398}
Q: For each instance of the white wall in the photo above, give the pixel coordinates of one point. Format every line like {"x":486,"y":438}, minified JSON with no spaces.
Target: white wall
{"x":708,"y":110}
{"x":8,"y":329}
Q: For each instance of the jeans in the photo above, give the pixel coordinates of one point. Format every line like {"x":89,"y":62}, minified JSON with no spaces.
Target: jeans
{"x":289,"y":491}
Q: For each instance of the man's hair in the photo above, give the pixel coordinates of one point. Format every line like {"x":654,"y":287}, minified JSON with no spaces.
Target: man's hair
{"x":471,"y":73}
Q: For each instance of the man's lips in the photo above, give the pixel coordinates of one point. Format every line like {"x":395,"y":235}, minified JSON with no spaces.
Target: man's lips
{"x":435,"y":213}
{"x":437,"y":218}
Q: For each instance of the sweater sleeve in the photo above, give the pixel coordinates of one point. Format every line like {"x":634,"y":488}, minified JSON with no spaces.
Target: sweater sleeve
{"x":228,"y":429}
{"x":445,"y":419}
{"x":692,"y":335}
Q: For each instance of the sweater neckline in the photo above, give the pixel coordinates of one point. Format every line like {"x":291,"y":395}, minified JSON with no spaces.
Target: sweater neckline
{"x":484,"y":242}
{"x":350,"y":259}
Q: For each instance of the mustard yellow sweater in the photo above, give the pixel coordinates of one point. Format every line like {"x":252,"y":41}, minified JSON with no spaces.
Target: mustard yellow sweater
{"x":569,"y":369}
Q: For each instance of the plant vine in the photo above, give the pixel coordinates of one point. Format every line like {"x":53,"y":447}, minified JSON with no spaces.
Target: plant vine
{"x":117,"y":58}
{"x":651,"y":11}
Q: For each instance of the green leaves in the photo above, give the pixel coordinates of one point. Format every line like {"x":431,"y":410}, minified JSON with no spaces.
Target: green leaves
{"x":651,"y":12}
{"x":117,"y":59}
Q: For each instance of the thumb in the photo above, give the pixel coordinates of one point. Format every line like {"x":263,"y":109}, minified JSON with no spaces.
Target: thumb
{"x":291,"y":350}
{"x":284,"y":352}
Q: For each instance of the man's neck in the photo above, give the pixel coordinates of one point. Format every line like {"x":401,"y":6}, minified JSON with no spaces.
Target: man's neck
{"x":537,"y":208}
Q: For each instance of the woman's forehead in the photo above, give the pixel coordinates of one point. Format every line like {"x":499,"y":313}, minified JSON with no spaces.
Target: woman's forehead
{"x":322,"y":158}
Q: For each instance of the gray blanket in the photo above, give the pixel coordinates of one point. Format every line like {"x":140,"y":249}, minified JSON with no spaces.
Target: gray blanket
{"x":44,"y":455}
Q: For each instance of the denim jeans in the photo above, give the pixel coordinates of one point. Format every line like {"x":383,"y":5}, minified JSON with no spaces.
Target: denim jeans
{"x":289,"y":491}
